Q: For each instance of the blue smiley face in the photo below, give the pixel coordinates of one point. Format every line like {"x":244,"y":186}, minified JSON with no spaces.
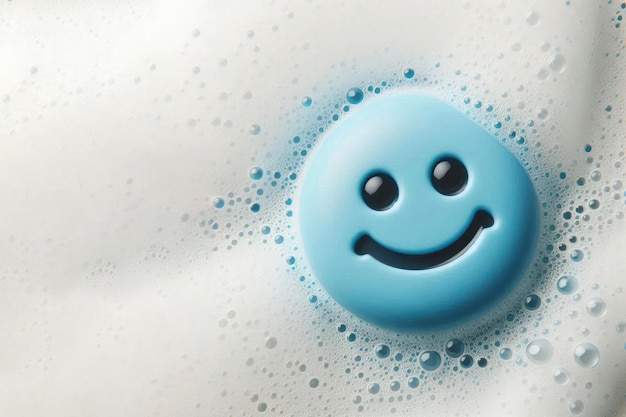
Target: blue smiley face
{"x":413,"y":217}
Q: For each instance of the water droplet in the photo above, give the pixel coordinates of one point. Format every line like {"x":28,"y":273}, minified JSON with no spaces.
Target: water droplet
{"x":354,"y":95}
{"x":576,"y":407}
{"x":586,"y":355}
{"x":596,"y":307}
{"x":256,"y":173}
{"x":455,"y":348}
{"x":271,"y":343}
{"x":373,"y":388}
{"x":413,"y":382}
{"x":576,"y":255}
{"x":254,"y":129}
{"x":567,"y":285}
{"x":539,"y":351}
{"x":532,"y":302}
{"x":560,"y":376}
{"x":307,"y":101}
{"x":382,"y":351}
{"x":557,"y":62}
{"x":505,"y":353}
{"x":218,"y":203}
{"x":430,"y":360}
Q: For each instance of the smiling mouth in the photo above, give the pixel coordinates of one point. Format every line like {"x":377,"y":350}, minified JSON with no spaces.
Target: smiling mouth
{"x":366,"y":245}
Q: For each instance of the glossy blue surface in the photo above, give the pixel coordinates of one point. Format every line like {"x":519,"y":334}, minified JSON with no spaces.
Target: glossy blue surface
{"x":405,"y":136}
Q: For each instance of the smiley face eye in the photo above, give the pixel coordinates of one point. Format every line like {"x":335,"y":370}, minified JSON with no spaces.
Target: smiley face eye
{"x":379,"y":191}
{"x":449,"y":176}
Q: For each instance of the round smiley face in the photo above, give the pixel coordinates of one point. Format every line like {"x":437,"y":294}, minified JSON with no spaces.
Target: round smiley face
{"x":413,"y":217}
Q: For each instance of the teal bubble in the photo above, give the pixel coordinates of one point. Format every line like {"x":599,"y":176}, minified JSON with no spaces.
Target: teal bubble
{"x":466,"y":361}
{"x":394,"y":386}
{"x":577,"y":255}
{"x":505,"y":354}
{"x":290,"y":260}
{"x":218,"y":203}
{"x":313,"y":299}
{"x":382,"y":351}
{"x":254,"y":130}
{"x":567,"y":285}
{"x":256,"y":173}
{"x":413,"y":382}
{"x":373,"y":388}
{"x":279,"y":239}
{"x":408,"y":73}
{"x":354,"y":95}
{"x":265,"y":230}
{"x":306,"y":101}
{"x":255,"y":208}
{"x":430,"y":360}
{"x":454,"y":348}
{"x":532,"y":302}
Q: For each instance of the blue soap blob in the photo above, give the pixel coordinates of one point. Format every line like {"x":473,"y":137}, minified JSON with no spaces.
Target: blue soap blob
{"x":413,"y":217}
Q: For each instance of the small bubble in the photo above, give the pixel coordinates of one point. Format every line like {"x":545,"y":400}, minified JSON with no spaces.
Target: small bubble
{"x":576,"y":255}
{"x":543,"y":74}
{"x":594,"y":204}
{"x":542,"y":114}
{"x":290,"y":260}
{"x":567,"y":285}
{"x":394,"y":386}
{"x":34,"y":70}
{"x":271,"y":343}
{"x":586,"y":355}
{"x":195,"y":33}
{"x":532,"y":302}
{"x":466,"y":361}
{"x":620,"y":327}
{"x":608,"y":108}
{"x":505,"y":353}
{"x":430,"y":360}
{"x":314,"y":382}
{"x":354,"y":95}
{"x":413,"y":382}
{"x":254,"y":129}
{"x":576,"y":407}
{"x":265,"y":230}
{"x":455,"y":348}
{"x":256,"y":173}
{"x":595,"y":175}
{"x":373,"y":388}
{"x":382,"y":351}
{"x":195,"y":70}
{"x":482,"y":362}
{"x":596,"y":307}
{"x":560,"y":376}
{"x":306,"y":101}
{"x":218,"y":203}
{"x":255,"y":208}
{"x":532,"y":19}
{"x":279,"y":239}
{"x":408,"y":73}
{"x":539,"y":351}
{"x":6,"y":98}
{"x":262,"y":407}
{"x":557,"y":62}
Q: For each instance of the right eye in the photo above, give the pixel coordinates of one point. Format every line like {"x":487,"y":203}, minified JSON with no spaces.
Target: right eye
{"x":380,"y":192}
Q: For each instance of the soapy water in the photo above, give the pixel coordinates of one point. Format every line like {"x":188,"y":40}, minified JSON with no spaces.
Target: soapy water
{"x":581,"y":200}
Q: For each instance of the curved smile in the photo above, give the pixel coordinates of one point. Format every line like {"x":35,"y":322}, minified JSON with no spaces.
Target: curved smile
{"x":366,"y":245}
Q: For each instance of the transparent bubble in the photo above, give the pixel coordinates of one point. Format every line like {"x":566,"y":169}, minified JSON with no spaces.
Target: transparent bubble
{"x":586,"y":355}
{"x":218,"y":203}
{"x":617,"y":184}
{"x":271,"y":343}
{"x":594,"y":204}
{"x":254,"y":129}
{"x":576,"y":407}
{"x":539,"y":351}
{"x":542,"y":114}
{"x":567,"y":285}
{"x":620,"y":327}
{"x":532,"y":302}
{"x":394,"y":386}
{"x":413,"y":382}
{"x":314,"y":382}
{"x":595,"y":175}
{"x":373,"y":388}
{"x":577,"y":255}
{"x":557,"y":62}
{"x":532,"y":19}
{"x":596,"y":307}
{"x":430,"y":360}
{"x":561,"y":376}
{"x":505,"y":354}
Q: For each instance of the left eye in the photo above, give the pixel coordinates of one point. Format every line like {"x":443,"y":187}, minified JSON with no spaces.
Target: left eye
{"x":380,"y":192}
{"x":449,"y":176}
